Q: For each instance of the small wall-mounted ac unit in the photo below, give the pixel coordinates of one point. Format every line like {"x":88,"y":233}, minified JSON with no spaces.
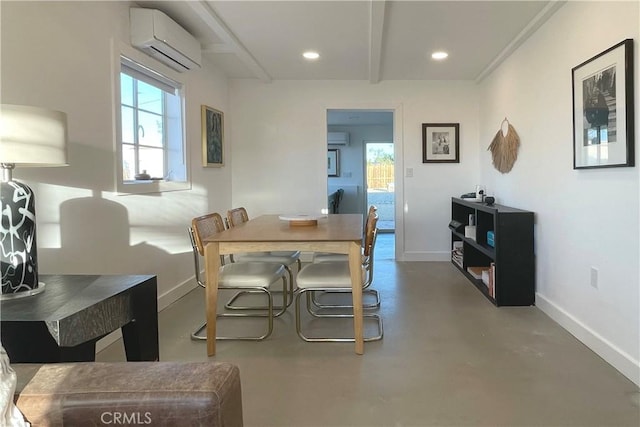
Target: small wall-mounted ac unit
{"x":338,"y":138}
{"x":156,"y":34}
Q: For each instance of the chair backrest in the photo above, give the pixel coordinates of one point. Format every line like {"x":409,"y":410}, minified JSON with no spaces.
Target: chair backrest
{"x":370,"y":232}
{"x":237,"y":216}
{"x":339,"y":195}
{"x":372,"y":210}
{"x":201,"y":228}
{"x":370,"y":238}
{"x":205,"y":226}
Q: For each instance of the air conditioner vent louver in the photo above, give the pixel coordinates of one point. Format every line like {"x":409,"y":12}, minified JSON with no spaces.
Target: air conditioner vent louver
{"x":167,"y":58}
{"x":159,"y":36}
{"x":338,"y":138}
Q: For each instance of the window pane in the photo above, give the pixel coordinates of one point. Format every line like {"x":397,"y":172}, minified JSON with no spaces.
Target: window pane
{"x":127,"y":125}
{"x":151,"y":118}
{"x":128,"y":162}
{"x":175,"y":159}
{"x":126,"y":89}
{"x":149,"y":98}
{"x":152,"y":160}
{"x":149,"y":129}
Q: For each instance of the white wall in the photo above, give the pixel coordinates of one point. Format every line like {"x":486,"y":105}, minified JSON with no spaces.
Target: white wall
{"x":584,"y":218}
{"x":59,"y":55}
{"x":279,"y":150}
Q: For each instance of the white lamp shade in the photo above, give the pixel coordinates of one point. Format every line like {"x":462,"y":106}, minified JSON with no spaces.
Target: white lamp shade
{"x":31,"y":136}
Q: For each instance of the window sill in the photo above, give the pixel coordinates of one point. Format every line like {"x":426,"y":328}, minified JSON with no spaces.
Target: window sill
{"x":151,"y":186}
{"x":143,"y":181}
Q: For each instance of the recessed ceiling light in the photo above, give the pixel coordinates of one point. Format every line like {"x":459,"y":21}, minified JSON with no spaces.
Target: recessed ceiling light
{"x":439,"y":55}
{"x":311,"y":55}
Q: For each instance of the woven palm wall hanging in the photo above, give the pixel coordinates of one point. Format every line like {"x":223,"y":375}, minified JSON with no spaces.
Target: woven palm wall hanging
{"x":504,"y":147}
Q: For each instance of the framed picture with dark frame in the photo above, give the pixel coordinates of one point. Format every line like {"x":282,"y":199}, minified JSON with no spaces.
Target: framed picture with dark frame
{"x":441,"y":143}
{"x":603,"y":109}
{"x":333,"y":162}
{"x":212,"y":137}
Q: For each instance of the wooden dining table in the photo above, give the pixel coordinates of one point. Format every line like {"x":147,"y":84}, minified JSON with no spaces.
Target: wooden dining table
{"x":333,"y":233}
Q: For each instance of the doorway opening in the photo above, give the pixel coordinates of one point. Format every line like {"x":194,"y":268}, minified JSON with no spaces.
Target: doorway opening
{"x":362,"y":141}
{"x":380,"y":182}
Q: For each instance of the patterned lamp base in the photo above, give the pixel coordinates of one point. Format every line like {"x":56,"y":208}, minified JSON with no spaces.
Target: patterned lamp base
{"x":19,"y":262}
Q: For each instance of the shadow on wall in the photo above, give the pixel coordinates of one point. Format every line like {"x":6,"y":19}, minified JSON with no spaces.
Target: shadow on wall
{"x":95,"y":240}
{"x":95,"y":232}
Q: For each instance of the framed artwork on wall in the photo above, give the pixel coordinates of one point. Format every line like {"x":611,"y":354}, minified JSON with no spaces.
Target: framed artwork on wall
{"x":212,"y":137}
{"x":333,"y":162}
{"x":603,"y":110}
{"x":440,"y":143}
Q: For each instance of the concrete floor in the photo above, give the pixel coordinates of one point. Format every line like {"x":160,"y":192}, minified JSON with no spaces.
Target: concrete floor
{"x":448,"y":358}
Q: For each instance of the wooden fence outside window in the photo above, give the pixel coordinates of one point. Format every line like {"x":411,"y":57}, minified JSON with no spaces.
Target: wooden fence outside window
{"x":380,"y":176}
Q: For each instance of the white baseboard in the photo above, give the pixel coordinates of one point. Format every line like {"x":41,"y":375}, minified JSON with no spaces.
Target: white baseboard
{"x":617,"y":358}
{"x":175,"y":293}
{"x":164,"y":300}
{"x":429,"y":256}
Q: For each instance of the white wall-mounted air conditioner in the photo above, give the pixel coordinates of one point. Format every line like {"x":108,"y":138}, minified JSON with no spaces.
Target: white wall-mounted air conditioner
{"x":156,"y":34}
{"x":338,"y":138}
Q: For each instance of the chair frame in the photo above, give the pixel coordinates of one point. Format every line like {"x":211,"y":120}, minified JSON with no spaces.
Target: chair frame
{"x":198,"y":251}
{"x":315,"y":314}
{"x":370,"y":238}
{"x":367,"y":269}
{"x":238,"y":216}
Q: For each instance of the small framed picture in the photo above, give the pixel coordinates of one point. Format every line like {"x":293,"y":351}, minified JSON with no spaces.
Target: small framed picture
{"x":333,"y":162}
{"x":212,"y":137}
{"x":603,"y":124}
{"x":440,"y":143}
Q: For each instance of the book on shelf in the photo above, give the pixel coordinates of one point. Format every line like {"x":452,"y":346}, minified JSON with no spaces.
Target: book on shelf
{"x":492,"y":280}
{"x":457,"y":254}
{"x":485,"y":276}
{"x":457,"y":258}
{"x":476,"y":272}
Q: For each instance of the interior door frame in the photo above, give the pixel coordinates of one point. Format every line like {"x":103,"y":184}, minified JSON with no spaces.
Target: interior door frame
{"x":398,"y":148}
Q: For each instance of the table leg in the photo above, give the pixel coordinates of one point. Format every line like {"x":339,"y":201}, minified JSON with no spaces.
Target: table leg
{"x":211,"y":268}
{"x":85,"y":352}
{"x":140,"y":336}
{"x":31,"y":342}
{"x":355,"y":268}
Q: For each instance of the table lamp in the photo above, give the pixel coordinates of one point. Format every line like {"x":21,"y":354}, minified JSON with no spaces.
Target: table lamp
{"x":29,"y":137}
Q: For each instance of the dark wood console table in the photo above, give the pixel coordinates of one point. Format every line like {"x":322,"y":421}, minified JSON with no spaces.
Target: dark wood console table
{"x":63,"y":323}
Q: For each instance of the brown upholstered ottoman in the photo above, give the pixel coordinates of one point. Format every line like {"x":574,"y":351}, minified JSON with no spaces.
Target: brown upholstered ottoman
{"x":130,"y":393}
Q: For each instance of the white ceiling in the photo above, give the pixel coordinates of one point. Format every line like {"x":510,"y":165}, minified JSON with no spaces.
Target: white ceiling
{"x":358,"y":40}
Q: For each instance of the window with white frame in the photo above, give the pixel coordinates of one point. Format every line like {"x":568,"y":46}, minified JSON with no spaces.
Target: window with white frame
{"x":151,"y":126}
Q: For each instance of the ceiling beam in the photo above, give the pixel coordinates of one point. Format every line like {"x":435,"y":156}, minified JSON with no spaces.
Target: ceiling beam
{"x":218,"y":48}
{"x":217,"y":25}
{"x":537,"y":21}
{"x":376,"y":30}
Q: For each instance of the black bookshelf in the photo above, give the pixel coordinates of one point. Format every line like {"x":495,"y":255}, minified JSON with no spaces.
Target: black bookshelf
{"x":512,"y":252}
